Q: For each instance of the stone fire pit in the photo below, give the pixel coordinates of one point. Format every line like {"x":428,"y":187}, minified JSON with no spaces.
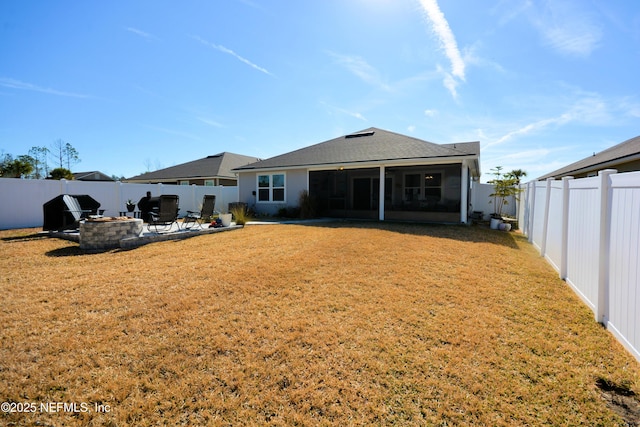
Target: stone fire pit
{"x":106,"y":232}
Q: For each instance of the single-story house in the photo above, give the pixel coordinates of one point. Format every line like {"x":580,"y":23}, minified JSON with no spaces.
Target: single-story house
{"x":625,"y":157}
{"x":370,"y":174}
{"x":211,"y":170}
{"x":91,"y":176}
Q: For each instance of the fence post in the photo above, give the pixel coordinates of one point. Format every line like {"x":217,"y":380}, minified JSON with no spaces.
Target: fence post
{"x":119,"y":200}
{"x":564,"y":240}
{"x":545,"y":224}
{"x":64,"y":186}
{"x":602,"y":305}
{"x":532,"y":210}
{"x":523,"y":222}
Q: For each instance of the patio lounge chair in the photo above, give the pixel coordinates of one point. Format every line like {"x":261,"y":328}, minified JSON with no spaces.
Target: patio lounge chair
{"x":196,"y":219}
{"x":162,"y":217}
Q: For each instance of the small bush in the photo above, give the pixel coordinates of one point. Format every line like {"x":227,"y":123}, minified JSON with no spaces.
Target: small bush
{"x":240,"y":214}
{"x":307,"y":205}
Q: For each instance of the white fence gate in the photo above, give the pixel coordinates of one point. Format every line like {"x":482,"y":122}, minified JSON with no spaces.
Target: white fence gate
{"x":589,"y":231}
{"x":21,"y":200}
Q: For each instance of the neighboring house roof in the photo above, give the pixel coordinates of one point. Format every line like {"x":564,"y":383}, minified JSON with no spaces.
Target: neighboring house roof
{"x":91,"y":176}
{"x":366,"y":146}
{"x":217,"y":166}
{"x":627,"y":151}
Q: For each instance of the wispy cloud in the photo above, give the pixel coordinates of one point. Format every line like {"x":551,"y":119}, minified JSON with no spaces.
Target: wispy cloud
{"x":471,"y":57}
{"x":361,"y":69}
{"x":527,"y":129}
{"x":232,"y":53}
{"x":252,"y":4}
{"x":443,"y":32}
{"x":17,"y":84}
{"x":142,"y":33}
{"x":449,"y":82}
{"x":567,"y":29}
{"x":589,"y":110}
{"x":508,"y":10}
{"x":354,"y":114}
{"x":210,"y":122}
{"x":175,"y":133}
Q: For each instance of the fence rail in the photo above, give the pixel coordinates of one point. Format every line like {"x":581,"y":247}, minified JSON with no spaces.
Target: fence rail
{"x":21,"y":200}
{"x":588,"y":229}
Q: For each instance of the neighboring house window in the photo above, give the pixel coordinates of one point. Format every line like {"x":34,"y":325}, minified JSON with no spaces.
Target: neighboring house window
{"x":184,"y":182}
{"x":271,"y":188}
{"x":208,"y":183}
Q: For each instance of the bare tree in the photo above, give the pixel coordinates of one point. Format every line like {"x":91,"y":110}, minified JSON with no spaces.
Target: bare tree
{"x":64,"y":154}
{"x":40,"y":165}
{"x":71,"y":155}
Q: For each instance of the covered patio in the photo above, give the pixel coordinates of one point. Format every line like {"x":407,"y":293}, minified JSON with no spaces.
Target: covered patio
{"x":423,"y":193}
{"x":370,"y":174}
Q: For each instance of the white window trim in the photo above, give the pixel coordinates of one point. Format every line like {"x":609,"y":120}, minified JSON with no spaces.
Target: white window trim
{"x":271,"y":188}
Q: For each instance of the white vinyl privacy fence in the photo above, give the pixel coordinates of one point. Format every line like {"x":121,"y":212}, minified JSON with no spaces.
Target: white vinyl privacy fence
{"x":21,"y":200}
{"x":589,"y":231}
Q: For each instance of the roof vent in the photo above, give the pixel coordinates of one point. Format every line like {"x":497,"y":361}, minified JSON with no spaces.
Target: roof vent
{"x":360,"y":134}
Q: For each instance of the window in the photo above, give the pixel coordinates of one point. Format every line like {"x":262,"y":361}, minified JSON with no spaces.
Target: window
{"x":424,"y":188}
{"x":433,"y":187}
{"x":271,"y":188}
{"x":412,"y":187}
{"x":209,"y":183}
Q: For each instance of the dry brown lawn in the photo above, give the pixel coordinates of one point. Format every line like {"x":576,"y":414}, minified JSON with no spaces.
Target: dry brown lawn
{"x":336,"y":324}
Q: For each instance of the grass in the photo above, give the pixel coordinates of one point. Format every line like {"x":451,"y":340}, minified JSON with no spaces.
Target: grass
{"x":337,"y":324}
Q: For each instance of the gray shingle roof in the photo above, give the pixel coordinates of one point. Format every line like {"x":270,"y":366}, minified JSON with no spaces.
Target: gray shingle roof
{"x":368,"y":145}
{"x":91,"y":176}
{"x":618,"y":153}
{"x":216,"y":166}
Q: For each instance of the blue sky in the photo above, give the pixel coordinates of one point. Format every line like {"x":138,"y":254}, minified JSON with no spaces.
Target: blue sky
{"x":140,"y":85}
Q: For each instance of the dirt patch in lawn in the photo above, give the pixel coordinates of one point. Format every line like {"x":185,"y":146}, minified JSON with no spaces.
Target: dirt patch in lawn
{"x":330,"y":324}
{"x":622,"y":400}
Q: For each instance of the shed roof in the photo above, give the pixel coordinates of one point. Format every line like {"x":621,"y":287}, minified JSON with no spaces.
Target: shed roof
{"x":368,"y":145}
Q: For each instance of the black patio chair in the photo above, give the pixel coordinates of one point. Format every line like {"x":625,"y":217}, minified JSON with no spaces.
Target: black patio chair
{"x":162,"y":217}
{"x":196,"y":219}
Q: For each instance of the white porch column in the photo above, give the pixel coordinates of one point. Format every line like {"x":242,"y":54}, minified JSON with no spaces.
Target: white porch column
{"x":464,"y":193}
{"x":381,"y":195}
